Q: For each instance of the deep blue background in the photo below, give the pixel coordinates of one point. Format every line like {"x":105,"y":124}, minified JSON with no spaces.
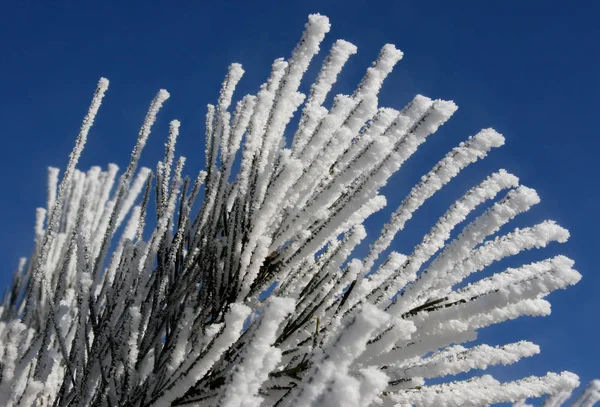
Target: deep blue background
{"x":527,"y":68}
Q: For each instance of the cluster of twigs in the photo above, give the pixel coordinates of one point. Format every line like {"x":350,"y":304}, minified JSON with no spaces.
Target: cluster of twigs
{"x":255,"y":300}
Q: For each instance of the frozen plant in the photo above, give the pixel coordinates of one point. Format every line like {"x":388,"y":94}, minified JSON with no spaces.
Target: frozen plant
{"x":255,"y":299}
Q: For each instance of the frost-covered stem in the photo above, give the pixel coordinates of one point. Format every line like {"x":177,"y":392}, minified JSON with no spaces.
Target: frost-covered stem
{"x":39,"y":274}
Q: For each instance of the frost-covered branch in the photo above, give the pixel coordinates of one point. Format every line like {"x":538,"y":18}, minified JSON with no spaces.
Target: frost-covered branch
{"x":248,"y":290}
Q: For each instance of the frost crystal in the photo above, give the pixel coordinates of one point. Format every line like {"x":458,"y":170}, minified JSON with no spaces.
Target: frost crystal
{"x":256,"y":299}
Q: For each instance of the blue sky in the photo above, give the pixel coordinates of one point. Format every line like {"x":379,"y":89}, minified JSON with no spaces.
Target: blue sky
{"x":528,"y":69}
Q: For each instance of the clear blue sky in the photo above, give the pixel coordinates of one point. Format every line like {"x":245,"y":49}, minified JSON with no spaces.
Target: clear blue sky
{"x":527,"y":68}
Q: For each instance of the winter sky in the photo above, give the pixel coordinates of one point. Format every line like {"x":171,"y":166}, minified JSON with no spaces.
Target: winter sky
{"x":527,"y":68}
